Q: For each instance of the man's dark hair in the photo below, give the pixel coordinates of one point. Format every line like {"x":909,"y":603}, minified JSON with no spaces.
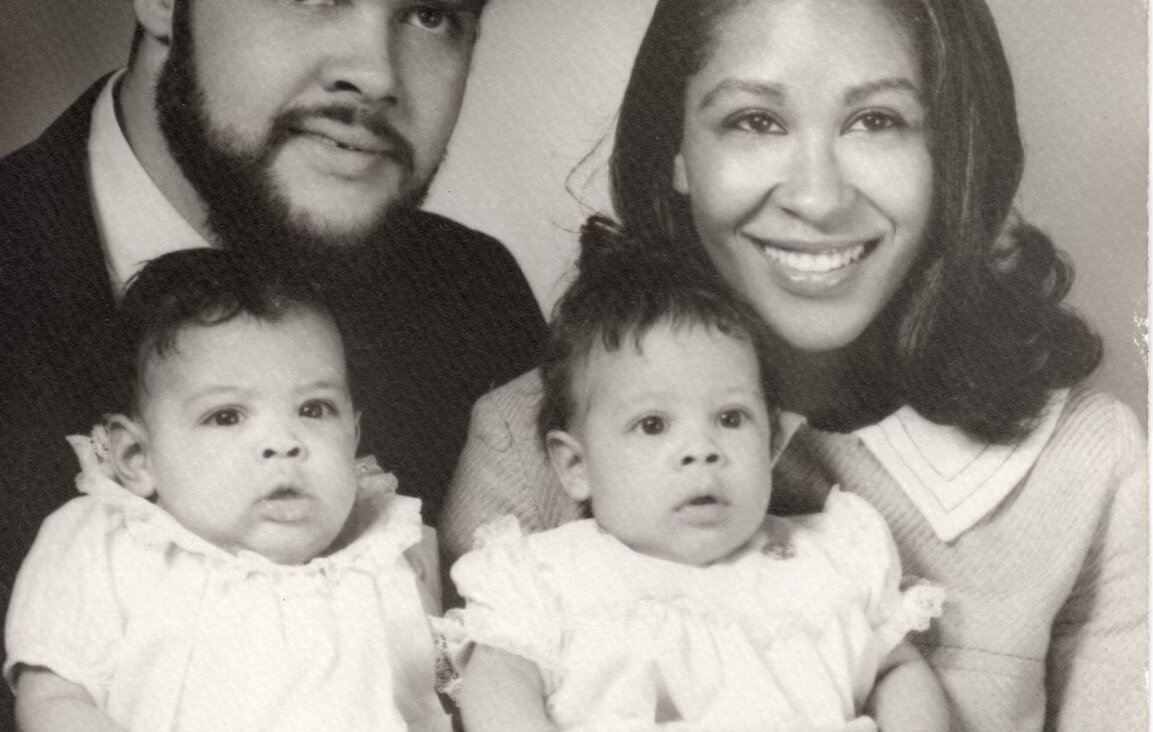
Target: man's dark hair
{"x":621,"y":291}
{"x":202,"y":287}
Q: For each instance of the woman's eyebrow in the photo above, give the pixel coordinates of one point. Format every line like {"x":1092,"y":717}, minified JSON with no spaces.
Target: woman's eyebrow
{"x":757,"y":88}
{"x":859,"y":93}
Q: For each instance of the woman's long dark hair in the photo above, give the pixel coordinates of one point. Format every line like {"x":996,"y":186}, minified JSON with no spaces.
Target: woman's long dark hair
{"x":981,"y":336}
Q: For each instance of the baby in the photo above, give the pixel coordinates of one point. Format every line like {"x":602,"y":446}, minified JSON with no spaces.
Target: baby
{"x":681,"y":604}
{"x":230,"y":566}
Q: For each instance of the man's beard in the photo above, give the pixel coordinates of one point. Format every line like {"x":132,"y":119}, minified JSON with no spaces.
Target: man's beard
{"x":244,"y":209}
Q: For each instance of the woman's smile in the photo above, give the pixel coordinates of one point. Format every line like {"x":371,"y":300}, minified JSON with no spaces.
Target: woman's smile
{"x":813,"y":268}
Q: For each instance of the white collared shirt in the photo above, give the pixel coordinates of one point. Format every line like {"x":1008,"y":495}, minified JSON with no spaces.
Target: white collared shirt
{"x":135,"y":221}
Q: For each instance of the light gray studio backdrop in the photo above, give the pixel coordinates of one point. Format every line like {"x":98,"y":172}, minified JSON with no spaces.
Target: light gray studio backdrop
{"x":547,"y":78}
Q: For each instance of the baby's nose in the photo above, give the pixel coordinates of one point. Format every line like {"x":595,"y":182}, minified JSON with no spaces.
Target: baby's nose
{"x":706,"y":455}
{"x":271,"y":452}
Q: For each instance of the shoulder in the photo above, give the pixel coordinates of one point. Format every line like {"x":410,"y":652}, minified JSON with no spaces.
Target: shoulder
{"x":44,"y":205}
{"x":60,"y":149}
{"x":1096,"y":429}
{"x":516,"y":401}
{"x":73,"y":545}
{"x":848,"y":523}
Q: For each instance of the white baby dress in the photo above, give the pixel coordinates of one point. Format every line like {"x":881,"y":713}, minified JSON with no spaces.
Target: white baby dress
{"x":166,"y":631}
{"x":787,"y":635}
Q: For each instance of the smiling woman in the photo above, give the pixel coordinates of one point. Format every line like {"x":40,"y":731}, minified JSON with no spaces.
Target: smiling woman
{"x":849,"y":168}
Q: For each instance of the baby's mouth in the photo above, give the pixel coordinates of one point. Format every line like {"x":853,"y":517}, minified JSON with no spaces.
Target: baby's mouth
{"x":702,"y":501}
{"x":284,"y":493}
{"x":285,"y":504}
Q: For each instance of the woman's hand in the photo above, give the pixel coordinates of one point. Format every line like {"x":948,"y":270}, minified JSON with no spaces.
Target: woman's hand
{"x":503,"y":692}
{"x":44,"y":701}
{"x":907,"y":695}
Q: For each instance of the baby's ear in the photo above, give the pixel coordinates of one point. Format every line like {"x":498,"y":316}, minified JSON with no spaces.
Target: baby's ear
{"x":128,"y":440}
{"x":567,"y":456}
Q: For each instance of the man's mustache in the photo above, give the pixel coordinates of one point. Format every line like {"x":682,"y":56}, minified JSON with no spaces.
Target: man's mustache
{"x":372,"y":120}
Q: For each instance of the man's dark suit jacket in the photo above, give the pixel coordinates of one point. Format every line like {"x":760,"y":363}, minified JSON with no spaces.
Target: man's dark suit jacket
{"x":438,"y":315}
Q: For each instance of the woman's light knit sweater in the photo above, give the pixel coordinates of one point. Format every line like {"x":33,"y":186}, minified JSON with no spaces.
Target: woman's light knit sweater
{"x":1045,"y":626}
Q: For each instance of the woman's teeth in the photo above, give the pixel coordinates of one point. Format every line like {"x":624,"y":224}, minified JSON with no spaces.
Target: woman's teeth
{"x":815,"y":263}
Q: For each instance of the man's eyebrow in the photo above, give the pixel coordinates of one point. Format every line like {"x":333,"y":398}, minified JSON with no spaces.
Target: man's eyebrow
{"x":757,"y":88}
{"x":462,"y":6}
{"x":897,"y":83}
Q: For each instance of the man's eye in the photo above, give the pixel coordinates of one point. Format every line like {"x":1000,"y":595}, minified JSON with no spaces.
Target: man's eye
{"x":317,"y":409}
{"x":224,"y":418}
{"x":431,"y":19}
{"x":652,"y":425}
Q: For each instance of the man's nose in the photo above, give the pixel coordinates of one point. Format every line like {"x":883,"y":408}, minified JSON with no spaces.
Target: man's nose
{"x":362,"y":57}
{"x":814,"y":188}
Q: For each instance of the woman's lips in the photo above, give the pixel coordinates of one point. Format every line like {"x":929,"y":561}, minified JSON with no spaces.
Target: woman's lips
{"x":814,"y":269}
{"x":816,"y":259}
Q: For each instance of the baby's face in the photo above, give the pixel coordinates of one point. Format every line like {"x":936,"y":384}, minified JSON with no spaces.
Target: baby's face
{"x":251,"y":434}
{"x":675,"y":443}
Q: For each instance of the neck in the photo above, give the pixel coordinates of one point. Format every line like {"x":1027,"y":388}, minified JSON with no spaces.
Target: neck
{"x":136,"y":112}
{"x":839,"y":390}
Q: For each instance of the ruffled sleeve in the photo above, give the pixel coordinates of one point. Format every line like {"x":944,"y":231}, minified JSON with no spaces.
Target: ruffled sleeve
{"x":509,"y":604}
{"x":64,"y":615}
{"x":895,"y":605}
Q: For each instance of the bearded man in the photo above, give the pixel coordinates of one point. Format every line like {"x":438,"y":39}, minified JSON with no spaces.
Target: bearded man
{"x":303,"y":131}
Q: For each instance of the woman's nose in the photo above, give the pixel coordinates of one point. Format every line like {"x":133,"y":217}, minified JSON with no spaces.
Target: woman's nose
{"x":814,"y":188}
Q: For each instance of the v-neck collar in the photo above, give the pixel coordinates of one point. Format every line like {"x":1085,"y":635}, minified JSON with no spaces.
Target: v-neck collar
{"x":954,"y":480}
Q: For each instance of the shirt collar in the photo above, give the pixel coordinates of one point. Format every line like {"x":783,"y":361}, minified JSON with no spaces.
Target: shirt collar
{"x":136,"y":222}
{"x":954,"y":480}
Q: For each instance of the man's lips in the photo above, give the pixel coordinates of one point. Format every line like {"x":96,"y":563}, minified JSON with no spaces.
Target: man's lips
{"x":354,"y":139}
{"x":353,"y":129}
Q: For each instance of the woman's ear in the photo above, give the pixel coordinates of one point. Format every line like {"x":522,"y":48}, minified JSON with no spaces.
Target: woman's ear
{"x":155,"y":16}
{"x":567,"y":456}
{"x":128,"y":442}
{"x":680,"y":175}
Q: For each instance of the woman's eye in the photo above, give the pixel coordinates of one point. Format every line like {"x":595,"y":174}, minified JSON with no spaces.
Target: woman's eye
{"x":758,"y":123}
{"x":652,"y":425}
{"x":876,"y":122}
{"x":224,"y":418}
{"x":731,"y":418}
{"x":317,"y":409}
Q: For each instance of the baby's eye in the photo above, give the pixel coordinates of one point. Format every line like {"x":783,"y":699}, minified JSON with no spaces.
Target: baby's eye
{"x":759,"y":123}
{"x":652,"y":425}
{"x":317,"y":409}
{"x":731,"y":418}
{"x":226,"y":417}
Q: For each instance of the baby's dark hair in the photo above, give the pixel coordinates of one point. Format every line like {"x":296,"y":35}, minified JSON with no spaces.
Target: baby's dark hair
{"x":622,"y":289}
{"x":201,"y":287}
